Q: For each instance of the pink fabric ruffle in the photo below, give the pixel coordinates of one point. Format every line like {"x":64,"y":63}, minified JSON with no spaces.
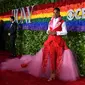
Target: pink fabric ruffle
{"x":68,"y":71}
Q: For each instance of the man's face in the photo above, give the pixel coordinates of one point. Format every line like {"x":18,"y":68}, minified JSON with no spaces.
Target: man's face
{"x":56,"y":13}
{"x":11,"y":20}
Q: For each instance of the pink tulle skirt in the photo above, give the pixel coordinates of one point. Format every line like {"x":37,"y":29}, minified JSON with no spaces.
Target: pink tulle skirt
{"x":68,"y":71}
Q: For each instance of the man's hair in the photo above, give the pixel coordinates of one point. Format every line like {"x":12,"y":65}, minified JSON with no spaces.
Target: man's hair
{"x":1,"y":21}
{"x":57,"y":9}
{"x":12,"y":17}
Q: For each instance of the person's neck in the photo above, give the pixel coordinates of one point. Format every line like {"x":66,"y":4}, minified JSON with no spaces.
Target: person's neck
{"x":57,"y":17}
{"x":12,"y":21}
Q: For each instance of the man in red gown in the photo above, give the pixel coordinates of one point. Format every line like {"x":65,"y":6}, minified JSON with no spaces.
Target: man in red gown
{"x":54,"y":45}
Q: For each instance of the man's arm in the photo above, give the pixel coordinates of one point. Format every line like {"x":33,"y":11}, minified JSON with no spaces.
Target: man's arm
{"x":14,"y":28}
{"x":48,"y":30}
{"x":64,"y":30}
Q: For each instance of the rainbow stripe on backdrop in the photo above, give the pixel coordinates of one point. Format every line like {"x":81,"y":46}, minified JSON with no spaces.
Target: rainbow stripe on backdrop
{"x":42,"y":13}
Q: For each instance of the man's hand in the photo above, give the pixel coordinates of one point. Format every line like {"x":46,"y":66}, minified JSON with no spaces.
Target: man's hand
{"x":51,"y":33}
{"x":8,"y":34}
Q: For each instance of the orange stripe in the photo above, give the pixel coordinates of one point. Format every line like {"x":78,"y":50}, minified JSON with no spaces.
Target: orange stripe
{"x":50,"y":10}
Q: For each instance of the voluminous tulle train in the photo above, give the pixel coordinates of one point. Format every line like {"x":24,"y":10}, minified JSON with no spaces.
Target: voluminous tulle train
{"x":68,"y":70}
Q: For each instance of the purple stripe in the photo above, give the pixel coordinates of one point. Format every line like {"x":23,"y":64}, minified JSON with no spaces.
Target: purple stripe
{"x":71,"y":26}
{"x":76,"y":28}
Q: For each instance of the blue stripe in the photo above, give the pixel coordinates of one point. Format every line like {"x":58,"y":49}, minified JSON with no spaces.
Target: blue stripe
{"x":74,"y":25}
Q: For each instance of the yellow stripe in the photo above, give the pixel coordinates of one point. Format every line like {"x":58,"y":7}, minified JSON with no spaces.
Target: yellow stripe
{"x":63,"y":14}
{"x":43,"y":15}
{"x":7,"y":19}
{"x":4,"y":19}
{"x":46,"y":15}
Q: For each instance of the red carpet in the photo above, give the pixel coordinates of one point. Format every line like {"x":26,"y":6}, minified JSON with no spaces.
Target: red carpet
{"x":20,"y":78}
